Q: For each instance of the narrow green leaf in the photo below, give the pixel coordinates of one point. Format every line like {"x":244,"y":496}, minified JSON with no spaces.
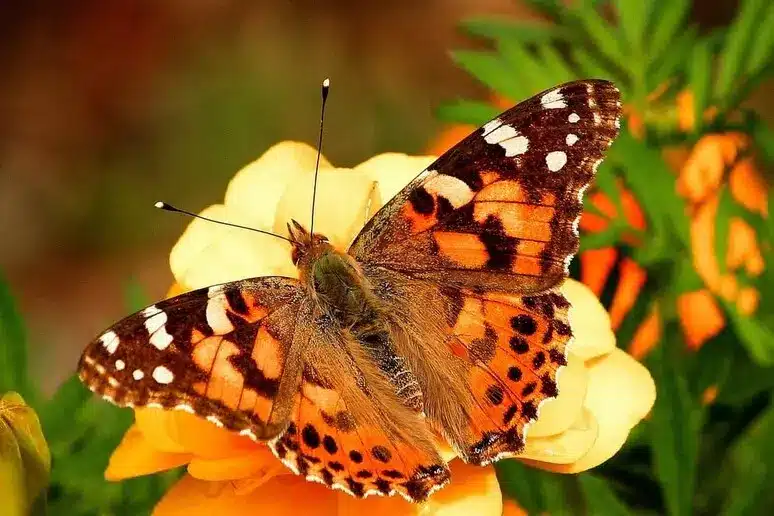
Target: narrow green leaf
{"x":525,"y":66}
{"x":666,"y":19}
{"x":590,"y":67}
{"x":764,"y":139}
{"x":675,"y":424}
{"x":557,"y":69}
{"x":763,"y":44}
{"x":633,"y":18}
{"x":756,"y":336}
{"x":751,"y":461}
{"x":491,"y":70}
{"x":726,"y":208}
{"x":551,"y":8}
{"x":13,"y":345}
{"x":745,"y":379}
{"x":602,"y":34}
{"x":679,"y":53}
{"x":518,"y":30}
{"x":740,"y":35}
{"x":601,"y":500}
{"x":25,"y":461}
{"x":536,"y":491}
{"x":467,"y":112}
{"x":700,"y":78}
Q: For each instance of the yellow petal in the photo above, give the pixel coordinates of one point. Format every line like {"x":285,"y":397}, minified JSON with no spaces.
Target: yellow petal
{"x":473,"y":490}
{"x":590,"y":322}
{"x":342,"y":203}
{"x":255,"y":191}
{"x":392,"y":172}
{"x":556,"y":415}
{"x":567,"y":447}
{"x":621,"y":393}
{"x":179,"y":431}
{"x":284,"y":495}
{"x":259,"y":465}
{"x":136,"y":456}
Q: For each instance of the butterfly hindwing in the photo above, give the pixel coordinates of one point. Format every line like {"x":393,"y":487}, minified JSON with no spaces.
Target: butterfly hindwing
{"x":500,"y":209}
{"x":219,"y":352}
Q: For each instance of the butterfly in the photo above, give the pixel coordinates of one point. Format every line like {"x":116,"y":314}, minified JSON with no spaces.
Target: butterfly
{"x":442,"y":320}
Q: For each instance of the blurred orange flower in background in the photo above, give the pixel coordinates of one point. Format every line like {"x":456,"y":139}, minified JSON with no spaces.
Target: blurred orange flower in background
{"x":716,"y":162}
{"x":604,"y":392}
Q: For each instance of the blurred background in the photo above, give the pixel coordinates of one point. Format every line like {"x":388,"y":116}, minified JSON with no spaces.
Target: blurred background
{"x":110,"y":105}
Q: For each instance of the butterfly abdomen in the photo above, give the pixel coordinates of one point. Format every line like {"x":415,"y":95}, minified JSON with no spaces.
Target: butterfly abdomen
{"x":346,"y":297}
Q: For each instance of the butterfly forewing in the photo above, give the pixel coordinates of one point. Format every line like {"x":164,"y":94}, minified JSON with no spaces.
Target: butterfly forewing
{"x":500,"y":209}
{"x":219,"y":352}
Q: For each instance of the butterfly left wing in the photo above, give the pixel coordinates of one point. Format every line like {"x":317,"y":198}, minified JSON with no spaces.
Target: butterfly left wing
{"x":223,"y":353}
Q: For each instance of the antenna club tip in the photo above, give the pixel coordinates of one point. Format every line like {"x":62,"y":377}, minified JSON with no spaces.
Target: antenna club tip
{"x":160,"y":205}
{"x":326,"y":83}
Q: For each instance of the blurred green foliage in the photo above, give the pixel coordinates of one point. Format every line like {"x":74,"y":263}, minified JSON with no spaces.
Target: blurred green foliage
{"x":688,"y":457}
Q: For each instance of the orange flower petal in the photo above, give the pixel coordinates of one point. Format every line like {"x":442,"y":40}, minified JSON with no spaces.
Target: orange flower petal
{"x":177,"y":431}
{"x":511,"y":508}
{"x":700,"y":317}
{"x":448,"y":138}
{"x":259,"y":465}
{"x":136,"y":456}
{"x":473,"y":490}
{"x":647,"y":335}
{"x":703,"y":243}
{"x":749,"y":187}
{"x":284,"y":495}
{"x":748,"y":300}
{"x":596,"y":265}
{"x":631,"y":279}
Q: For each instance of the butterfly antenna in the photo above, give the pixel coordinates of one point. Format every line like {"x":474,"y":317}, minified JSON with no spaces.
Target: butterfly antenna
{"x":168,"y":207}
{"x":326,"y":84}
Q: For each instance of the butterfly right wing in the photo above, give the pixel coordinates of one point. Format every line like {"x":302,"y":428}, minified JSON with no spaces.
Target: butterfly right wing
{"x":224,"y":353}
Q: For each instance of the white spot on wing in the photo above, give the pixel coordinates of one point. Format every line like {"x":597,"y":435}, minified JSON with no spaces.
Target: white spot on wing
{"x":248,"y":433}
{"x":617,"y":123}
{"x":214,"y":420}
{"x":455,"y":190}
{"x":491,"y":126}
{"x":556,"y":160}
{"x":508,"y":138}
{"x":138,"y":374}
{"x":120,"y":365}
{"x":571,"y":139}
{"x":109,"y":341}
{"x":573,"y":118}
{"x":112,"y":381}
{"x":217,"y":317}
{"x":163,"y":375}
{"x":155,"y":324}
{"x":553,"y":99}
{"x":183,"y":407}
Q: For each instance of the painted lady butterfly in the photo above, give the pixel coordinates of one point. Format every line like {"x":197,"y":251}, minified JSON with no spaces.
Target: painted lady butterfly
{"x":442,"y":318}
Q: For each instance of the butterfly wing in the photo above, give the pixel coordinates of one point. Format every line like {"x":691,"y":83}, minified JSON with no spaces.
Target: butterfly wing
{"x":468,"y":256}
{"x":501,"y":208}
{"x":223,"y":353}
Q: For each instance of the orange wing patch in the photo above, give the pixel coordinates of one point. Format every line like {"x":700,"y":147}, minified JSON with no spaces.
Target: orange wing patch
{"x":325,"y":443}
{"x":515,"y":346}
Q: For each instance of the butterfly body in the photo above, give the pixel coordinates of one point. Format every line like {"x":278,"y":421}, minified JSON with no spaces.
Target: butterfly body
{"x":441,"y":322}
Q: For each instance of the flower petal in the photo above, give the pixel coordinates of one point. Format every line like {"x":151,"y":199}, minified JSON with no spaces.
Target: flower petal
{"x":558,"y":414}
{"x":259,"y":466}
{"x":567,"y":447}
{"x":621,"y":393}
{"x":136,"y":456}
{"x":392,"y":172}
{"x":342,"y":203}
{"x":284,"y":495}
{"x":208,"y":254}
{"x":589,"y":320}
{"x":178,"y":431}
{"x":473,"y":490}
{"x":255,"y":191}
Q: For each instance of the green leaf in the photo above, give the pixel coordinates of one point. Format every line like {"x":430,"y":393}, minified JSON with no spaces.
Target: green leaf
{"x":519,"y":30}
{"x":745,"y":379}
{"x":756,"y":336}
{"x":602,"y":35}
{"x":13,"y":345}
{"x":633,"y":18}
{"x":25,"y":462}
{"x":467,"y":112}
{"x":763,"y":43}
{"x":675,"y":424}
{"x":491,"y":70}
{"x":751,"y":461}
{"x":700,"y":77}
{"x":679,"y":53}
{"x":531,"y":73}
{"x":733,"y":60}
{"x":591,"y":67}
{"x":536,"y":491}
{"x":667,"y":18}
{"x":601,"y":500}
{"x":557,"y":69}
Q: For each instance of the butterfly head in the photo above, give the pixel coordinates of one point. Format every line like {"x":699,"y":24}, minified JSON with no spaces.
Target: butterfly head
{"x":303,"y":241}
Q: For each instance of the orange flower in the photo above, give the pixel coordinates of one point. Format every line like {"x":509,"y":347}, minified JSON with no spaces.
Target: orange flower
{"x":603,"y":391}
